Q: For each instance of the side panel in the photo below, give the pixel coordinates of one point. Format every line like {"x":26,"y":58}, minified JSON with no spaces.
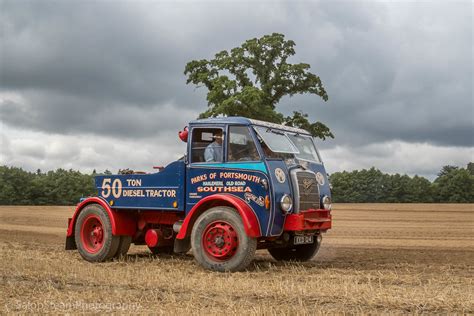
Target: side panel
{"x":161,"y":191}
{"x":322,"y":178}
{"x":242,"y":180}
{"x":281,"y":185}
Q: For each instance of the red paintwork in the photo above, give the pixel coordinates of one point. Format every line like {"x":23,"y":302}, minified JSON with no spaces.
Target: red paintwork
{"x":152,"y":238}
{"x":220,"y":240}
{"x":126,"y":222}
{"x":251,"y":225}
{"x":92,"y":234}
{"x":183,"y":135}
{"x":157,"y":217}
{"x":308,"y":220}
{"x":122,"y":223}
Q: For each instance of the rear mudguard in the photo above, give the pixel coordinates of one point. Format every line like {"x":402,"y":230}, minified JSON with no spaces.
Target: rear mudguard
{"x":249,"y":219}
{"x":122,"y":224}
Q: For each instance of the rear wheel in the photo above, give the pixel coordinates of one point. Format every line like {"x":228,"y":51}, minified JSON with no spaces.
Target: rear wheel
{"x":164,"y":250}
{"x":93,"y":234}
{"x":124,"y":245}
{"x":296,"y":253}
{"x":219,"y":241}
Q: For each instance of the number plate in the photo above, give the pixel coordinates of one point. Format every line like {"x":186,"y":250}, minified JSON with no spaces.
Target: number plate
{"x":301,"y":240}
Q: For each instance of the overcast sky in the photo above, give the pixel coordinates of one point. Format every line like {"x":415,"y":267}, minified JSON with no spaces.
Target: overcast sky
{"x":100,"y":84}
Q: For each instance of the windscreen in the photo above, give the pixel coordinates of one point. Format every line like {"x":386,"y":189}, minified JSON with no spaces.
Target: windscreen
{"x":275,"y":140}
{"x":306,"y":148}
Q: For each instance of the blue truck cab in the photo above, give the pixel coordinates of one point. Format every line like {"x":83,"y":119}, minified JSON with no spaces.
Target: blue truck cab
{"x":242,"y":185}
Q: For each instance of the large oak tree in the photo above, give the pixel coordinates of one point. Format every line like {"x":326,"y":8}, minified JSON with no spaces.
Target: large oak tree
{"x":250,"y":81}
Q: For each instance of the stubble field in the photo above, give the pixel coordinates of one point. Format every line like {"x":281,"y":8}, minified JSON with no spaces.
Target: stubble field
{"x":378,"y":258}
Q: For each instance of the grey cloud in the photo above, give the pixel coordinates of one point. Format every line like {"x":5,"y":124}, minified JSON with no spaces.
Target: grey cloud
{"x":71,"y":115}
{"x":393,"y":71}
{"x":67,"y":47}
{"x":406,"y":77}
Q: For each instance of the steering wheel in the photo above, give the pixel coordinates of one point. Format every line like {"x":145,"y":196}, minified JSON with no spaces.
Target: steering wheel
{"x":239,"y":152}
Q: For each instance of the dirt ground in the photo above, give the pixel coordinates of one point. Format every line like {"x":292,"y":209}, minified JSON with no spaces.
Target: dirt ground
{"x":378,"y":258}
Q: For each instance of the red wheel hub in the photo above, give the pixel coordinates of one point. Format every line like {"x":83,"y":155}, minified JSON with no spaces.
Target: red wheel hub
{"x":220,"y":240}
{"x":92,"y":233}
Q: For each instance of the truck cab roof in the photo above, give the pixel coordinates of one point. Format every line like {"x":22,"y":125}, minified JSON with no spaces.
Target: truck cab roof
{"x":239,"y":120}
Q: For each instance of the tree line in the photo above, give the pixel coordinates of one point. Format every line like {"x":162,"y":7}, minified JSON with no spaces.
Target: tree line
{"x":59,"y":187}
{"x":66,"y":187}
{"x":453,"y":185}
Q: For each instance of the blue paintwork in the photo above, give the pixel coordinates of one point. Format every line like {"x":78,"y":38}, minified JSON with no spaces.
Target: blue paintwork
{"x":170,"y":179}
{"x":323,"y":189}
{"x":187,"y":183}
{"x":223,"y":178}
{"x":278,"y":189}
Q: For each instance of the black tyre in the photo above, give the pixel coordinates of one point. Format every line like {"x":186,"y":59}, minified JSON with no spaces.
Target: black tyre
{"x":124,"y":245}
{"x":296,"y":253}
{"x":164,"y":250}
{"x":219,"y":241}
{"x":93,"y":234}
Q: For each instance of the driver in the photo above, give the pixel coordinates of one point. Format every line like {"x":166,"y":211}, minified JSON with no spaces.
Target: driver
{"x":213,"y":152}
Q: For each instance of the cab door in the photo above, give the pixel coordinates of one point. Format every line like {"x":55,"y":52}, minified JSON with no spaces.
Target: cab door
{"x":240,"y":171}
{"x":204,"y":144}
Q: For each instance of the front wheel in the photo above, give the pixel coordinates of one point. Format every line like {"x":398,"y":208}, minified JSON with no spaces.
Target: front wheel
{"x":296,"y":253}
{"x":219,"y":241}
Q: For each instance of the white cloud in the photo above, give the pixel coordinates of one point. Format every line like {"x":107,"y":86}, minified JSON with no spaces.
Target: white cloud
{"x":397,"y":157}
{"x":33,"y":150}
{"x":37,"y":150}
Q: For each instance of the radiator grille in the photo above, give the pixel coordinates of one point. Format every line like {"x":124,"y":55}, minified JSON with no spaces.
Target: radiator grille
{"x":308,"y":190}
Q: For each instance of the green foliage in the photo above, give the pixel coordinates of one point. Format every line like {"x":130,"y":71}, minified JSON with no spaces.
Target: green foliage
{"x":470,"y":168}
{"x":251,"y":79}
{"x":66,"y":187}
{"x":60,"y":187}
{"x":421,"y":190}
{"x":446,"y":170}
{"x":453,"y":185}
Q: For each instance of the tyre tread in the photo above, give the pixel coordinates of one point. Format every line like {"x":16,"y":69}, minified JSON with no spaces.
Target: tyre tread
{"x":241,"y":259}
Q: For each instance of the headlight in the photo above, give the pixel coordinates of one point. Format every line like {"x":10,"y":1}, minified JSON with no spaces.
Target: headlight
{"x":286,"y":203}
{"x":327,"y":202}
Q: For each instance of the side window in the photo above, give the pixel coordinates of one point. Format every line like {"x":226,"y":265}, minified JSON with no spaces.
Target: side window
{"x":241,"y":145}
{"x":206,"y":145}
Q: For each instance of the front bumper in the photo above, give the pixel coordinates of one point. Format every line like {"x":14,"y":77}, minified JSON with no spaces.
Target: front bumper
{"x":319,"y":219}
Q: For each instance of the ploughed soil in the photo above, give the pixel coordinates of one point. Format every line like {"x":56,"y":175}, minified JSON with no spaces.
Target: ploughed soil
{"x":378,"y":258}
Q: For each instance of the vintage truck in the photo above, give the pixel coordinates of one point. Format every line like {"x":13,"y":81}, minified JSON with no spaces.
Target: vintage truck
{"x":243,"y":185}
